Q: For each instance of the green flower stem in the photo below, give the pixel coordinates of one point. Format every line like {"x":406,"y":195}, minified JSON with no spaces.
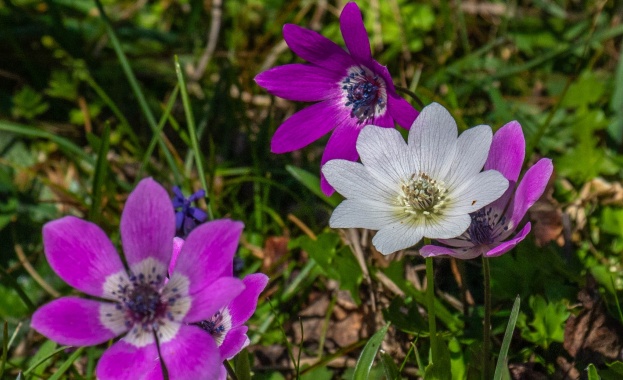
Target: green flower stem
{"x":486,"y":338}
{"x":430,"y":298}
{"x":190,"y":120}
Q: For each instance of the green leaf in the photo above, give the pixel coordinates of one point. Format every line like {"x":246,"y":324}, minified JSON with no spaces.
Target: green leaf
{"x":242,"y":365}
{"x":364,"y":363}
{"x":312,"y":182}
{"x":68,"y":363}
{"x":548,"y":324}
{"x":502,"y":365}
{"x":404,"y":314}
{"x":28,"y":104}
{"x":389,"y":366}
{"x":592,"y":372}
{"x":43,"y":358}
{"x":440,"y":368}
{"x":338,"y":264}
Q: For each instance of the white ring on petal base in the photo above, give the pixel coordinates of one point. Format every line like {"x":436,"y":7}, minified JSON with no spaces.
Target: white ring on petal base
{"x":175,"y":294}
{"x":114,"y":284}
{"x":113,"y":317}
{"x":153,"y":270}
{"x":226,"y":323}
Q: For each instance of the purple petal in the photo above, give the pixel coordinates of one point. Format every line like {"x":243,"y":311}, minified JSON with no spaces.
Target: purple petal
{"x":243,"y":306}
{"x":459,"y":253}
{"x":208,"y":252}
{"x":316,"y":49}
{"x":510,"y":244}
{"x":126,"y":361}
{"x":306,"y":126}
{"x":177,"y":247}
{"x":301,"y":82}
{"x":81,"y":253}
{"x":191,"y":355}
{"x":341,"y":145}
{"x":401,"y":111}
{"x":209,"y":299}
{"x":148,"y":224}
{"x":354,"y":33}
{"x":531,"y":188}
{"x":179,"y":220}
{"x":197,"y":195}
{"x":507,"y":151}
{"x":235,"y":340}
{"x":73,"y":321}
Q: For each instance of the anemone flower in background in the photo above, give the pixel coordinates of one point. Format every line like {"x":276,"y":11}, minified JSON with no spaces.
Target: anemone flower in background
{"x":156,"y":316}
{"x":352,"y":90}
{"x":493,"y":224}
{"x":424,"y":188}
{"x":226,"y":326}
{"x":187,"y":217}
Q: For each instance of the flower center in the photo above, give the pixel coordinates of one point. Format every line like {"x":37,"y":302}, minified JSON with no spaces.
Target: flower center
{"x":217,"y":326}
{"x":365,"y":92}
{"x":486,"y":226}
{"x":144,"y":305}
{"x":422,"y":196}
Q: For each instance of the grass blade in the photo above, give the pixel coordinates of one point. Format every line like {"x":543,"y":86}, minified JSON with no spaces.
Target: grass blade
{"x":101,"y":169}
{"x":364,"y":363}
{"x":65,"y":366}
{"x":503,"y":358}
{"x":312,"y":182}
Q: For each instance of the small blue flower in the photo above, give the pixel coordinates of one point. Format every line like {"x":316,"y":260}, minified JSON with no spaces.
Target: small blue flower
{"x":187,"y":217}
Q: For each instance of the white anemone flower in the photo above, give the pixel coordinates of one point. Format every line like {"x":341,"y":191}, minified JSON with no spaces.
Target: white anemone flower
{"x":423,"y":188}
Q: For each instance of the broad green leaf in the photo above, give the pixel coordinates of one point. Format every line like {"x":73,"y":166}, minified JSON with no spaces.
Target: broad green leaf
{"x":592,"y":372}
{"x":242,"y":365}
{"x":441,"y":368}
{"x":366,"y":359}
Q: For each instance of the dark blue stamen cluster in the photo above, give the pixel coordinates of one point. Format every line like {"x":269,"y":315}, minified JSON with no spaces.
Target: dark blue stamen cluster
{"x":142,"y":302}
{"x":363,"y":94}
{"x":214,"y":326}
{"x":486,"y":226}
{"x":187,"y":217}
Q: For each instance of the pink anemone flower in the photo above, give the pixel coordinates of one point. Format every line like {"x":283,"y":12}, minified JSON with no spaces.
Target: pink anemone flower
{"x":351,"y":89}
{"x":156,"y":317}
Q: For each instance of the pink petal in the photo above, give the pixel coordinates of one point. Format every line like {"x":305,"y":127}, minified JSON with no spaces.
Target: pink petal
{"x":177,"y":247}
{"x":531,"y":188}
{"x":459,"y":253}
{"x":243,"y":306}
{"x":401,"y":111}
{"x":80,"y":253}
{"x":235,"y":340}
{"x":208,"y":252}
{"x":72,"y":321}
{"x":301,"y":82}
{"x":507,"y":151}
{"x":341,"y":145}
{"x":316,"y":49}
{"x":125,"y":361}
{"x":354,"y":33}
{"x":209,"y":299}
{"x":307,"y":126}
{"x":148,"y":224}
{"x":191,"y":355}
{"x":510,"y":244}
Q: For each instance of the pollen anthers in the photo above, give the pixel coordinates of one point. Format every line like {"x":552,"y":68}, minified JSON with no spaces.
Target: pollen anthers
{"x":487,"y":225}
{"x":422,"y":195}
{"x":218,"y":325}
{"x":365,"y":92}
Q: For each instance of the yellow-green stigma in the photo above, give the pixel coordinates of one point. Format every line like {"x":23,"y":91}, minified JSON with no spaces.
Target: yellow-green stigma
{"x":422,"y":196}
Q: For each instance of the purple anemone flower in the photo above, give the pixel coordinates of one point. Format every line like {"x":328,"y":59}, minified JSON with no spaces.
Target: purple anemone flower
{"x":226,"y":326}
{"x":352,"y":91}
{"x":156,"y":317}
{"x":187,"y":217}
{"x":492,"y":225}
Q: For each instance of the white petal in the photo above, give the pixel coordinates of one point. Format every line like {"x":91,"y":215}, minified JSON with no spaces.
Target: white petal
{"x":471,"y":155}
{"x":362,"y":213}
{"x":477,"y":192}
{"x":433,"y":140}
{"x":352,"y":180}
{"x":397,"y":236}
{"x":385,"y":154}
{"x":446,"y":226}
